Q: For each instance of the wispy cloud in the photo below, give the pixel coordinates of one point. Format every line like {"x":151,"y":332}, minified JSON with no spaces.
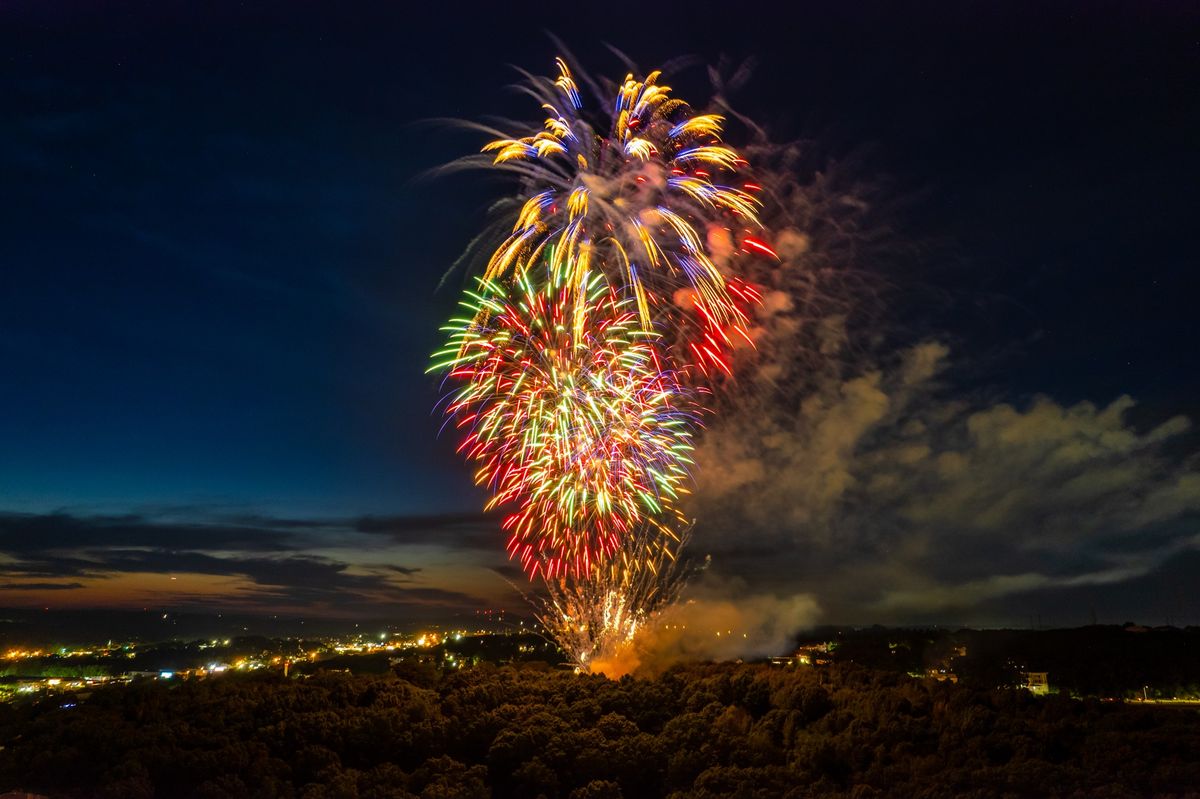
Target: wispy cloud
{"x":273,"y":562}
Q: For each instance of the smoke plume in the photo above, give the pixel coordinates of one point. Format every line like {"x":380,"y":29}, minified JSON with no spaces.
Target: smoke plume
{"x":718,"y":622}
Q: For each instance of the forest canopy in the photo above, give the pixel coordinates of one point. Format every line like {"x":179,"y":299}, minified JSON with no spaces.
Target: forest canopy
{"x":695,"y":731}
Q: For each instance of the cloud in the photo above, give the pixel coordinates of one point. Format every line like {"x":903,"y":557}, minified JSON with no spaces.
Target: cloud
{"x":28,"y":532}
{"x":452,"y":530}
{"x":205,"y":529}
{"x":407,"y":571}
{"x":891,"y":498}
{"x":1111,"y":567}
{"x":272,"y":562}
{"x":511,"y":572}
{"x":843,"y":464}
{"x":792,"y":466}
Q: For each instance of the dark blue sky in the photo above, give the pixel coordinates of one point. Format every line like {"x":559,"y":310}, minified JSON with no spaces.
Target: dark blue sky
{"x":218,"y":262}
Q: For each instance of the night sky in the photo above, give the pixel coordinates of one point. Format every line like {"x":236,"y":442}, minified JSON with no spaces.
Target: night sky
{"x":219,"y":256}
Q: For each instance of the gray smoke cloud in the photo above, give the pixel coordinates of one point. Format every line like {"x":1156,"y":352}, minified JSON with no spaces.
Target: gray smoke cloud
{"x":891,"y":497}
{"x":717,"y":620}
{"x":844,"y":466}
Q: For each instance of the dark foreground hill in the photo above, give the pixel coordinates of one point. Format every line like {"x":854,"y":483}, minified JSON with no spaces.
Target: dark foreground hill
{"x":698,"y":731}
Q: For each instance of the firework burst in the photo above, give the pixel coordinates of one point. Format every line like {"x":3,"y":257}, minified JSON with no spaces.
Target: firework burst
{"x":644,"y":195}
{"x":571,"y":417}
{"x":584,"y":352}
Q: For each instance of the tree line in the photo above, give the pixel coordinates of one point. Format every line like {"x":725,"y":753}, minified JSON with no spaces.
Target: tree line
{"x":720,"y":730}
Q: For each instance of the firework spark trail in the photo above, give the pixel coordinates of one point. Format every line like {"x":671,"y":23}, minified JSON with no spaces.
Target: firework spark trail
{"x":595,"y":618}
